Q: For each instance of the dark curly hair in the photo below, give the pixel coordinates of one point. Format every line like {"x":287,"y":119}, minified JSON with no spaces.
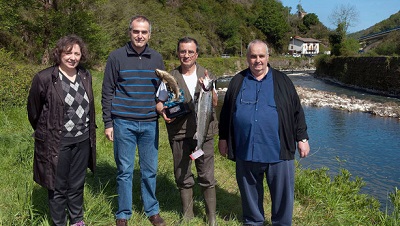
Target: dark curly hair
{"x":65,"y":44}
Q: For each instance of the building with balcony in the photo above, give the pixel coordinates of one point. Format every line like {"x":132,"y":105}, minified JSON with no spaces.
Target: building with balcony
{"x":303,"y":46}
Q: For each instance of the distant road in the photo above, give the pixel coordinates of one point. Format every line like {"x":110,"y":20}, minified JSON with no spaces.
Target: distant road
{"x":377,"y":36}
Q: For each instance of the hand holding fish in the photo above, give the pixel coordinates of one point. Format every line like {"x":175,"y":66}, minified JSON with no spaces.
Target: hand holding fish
{"x":204,"y":81}
{"x":205,"y":85}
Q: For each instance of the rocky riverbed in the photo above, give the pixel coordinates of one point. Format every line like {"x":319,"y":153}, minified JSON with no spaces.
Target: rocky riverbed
{"x":318,"y":98}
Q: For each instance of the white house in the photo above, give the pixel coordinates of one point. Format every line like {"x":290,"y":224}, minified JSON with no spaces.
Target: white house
{"x":303,"y":46}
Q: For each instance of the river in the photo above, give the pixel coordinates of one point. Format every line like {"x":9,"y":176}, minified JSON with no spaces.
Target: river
{"x":367,"y":146}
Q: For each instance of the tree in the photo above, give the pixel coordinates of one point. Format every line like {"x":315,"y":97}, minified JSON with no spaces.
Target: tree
{"x":30,"y":28}
{"x":343,"y":17}
{"x":272,"y":22}
{"x":300,"y":9}
{"x":350,"y":47}
{"x":346,"y":15}
{"x":310,"y":19}
{"x":12,"y":35}
{"x":341,"y":45}
{"x":336,"y":39}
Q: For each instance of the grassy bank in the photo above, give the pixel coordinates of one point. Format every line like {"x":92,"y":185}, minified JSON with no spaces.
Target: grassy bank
{"x":319,"y":198}
{"x":229,"y":66}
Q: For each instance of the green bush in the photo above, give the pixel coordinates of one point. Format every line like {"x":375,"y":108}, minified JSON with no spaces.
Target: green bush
{"x":322,"y":63}
{"x":15,"y":80}
{"x":350,"y":47}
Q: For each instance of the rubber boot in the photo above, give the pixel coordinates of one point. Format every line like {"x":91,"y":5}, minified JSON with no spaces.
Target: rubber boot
{"x":187,"y":203}
{"x":211,"y":204}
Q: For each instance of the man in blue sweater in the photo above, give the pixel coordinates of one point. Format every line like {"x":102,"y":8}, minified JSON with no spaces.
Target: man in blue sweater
{"x":131,"y":120}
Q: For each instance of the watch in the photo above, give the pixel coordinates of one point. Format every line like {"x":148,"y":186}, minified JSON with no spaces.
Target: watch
{"x":304,"y":140}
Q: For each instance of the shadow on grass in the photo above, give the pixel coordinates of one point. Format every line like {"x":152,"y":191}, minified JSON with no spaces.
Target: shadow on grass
{"x":40,"y":202}
{"x":228,"y":204}
{"x":103,"y":182}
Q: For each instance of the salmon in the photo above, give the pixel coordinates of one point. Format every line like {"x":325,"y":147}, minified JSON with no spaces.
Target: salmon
{"x":204,"y":112}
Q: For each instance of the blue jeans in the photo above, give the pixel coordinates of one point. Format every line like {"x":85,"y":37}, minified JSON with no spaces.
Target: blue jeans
{"x":127,"y":136}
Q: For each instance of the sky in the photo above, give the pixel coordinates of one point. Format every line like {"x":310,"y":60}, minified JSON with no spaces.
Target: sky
{"x":369,"y":12}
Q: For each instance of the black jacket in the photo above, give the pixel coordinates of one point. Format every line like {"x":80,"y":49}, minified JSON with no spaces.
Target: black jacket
{"x":46,"y":114}
{"x":292,"y":123}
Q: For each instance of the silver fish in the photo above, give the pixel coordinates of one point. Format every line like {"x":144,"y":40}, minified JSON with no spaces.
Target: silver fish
{"x":204,"y":112}
{"x":170,"y":81}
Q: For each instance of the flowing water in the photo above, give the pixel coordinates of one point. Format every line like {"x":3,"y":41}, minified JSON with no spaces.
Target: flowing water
{"x":367,"y":146}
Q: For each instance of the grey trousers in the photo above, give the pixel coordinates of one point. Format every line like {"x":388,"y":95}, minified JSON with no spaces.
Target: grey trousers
{"x":184,"y":177}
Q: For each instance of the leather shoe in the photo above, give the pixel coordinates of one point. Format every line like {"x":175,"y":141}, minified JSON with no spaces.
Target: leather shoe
{"x":122,"y":222}
{"x":156,"y":220}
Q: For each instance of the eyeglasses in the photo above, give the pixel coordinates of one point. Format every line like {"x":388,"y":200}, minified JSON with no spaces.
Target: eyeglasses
{"x":190,"y":53}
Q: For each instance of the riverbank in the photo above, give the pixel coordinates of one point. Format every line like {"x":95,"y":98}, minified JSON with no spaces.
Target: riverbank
{"x":318,"y":98}
{"x":380,"y":74}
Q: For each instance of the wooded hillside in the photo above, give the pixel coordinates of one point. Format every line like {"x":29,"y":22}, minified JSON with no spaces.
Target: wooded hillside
{"x":30,"y":28}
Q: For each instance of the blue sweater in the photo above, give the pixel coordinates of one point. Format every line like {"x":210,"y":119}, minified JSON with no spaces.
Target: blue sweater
{"x":130,"y":84}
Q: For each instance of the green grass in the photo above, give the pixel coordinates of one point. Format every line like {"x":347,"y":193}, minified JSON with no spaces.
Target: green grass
{"x":319,"y":198}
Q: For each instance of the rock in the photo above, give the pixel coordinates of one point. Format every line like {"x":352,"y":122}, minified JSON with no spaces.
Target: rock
{"x":317,"y":98}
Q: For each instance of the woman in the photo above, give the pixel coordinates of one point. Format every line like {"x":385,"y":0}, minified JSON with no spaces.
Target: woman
{"x":61,"y":112}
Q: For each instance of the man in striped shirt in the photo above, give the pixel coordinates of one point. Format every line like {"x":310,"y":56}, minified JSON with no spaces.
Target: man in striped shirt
{"x":130,"y":117}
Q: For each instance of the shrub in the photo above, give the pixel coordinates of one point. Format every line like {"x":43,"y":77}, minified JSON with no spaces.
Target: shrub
{"x":15,"y":80}
{"x":322,"y":63}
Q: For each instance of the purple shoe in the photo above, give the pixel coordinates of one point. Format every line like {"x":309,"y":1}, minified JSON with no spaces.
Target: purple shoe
{"x":80,"y":223}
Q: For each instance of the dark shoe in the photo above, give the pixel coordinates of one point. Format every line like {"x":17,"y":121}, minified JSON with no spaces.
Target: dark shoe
{"x":122,"y":222}
{"x":156,"y":220}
